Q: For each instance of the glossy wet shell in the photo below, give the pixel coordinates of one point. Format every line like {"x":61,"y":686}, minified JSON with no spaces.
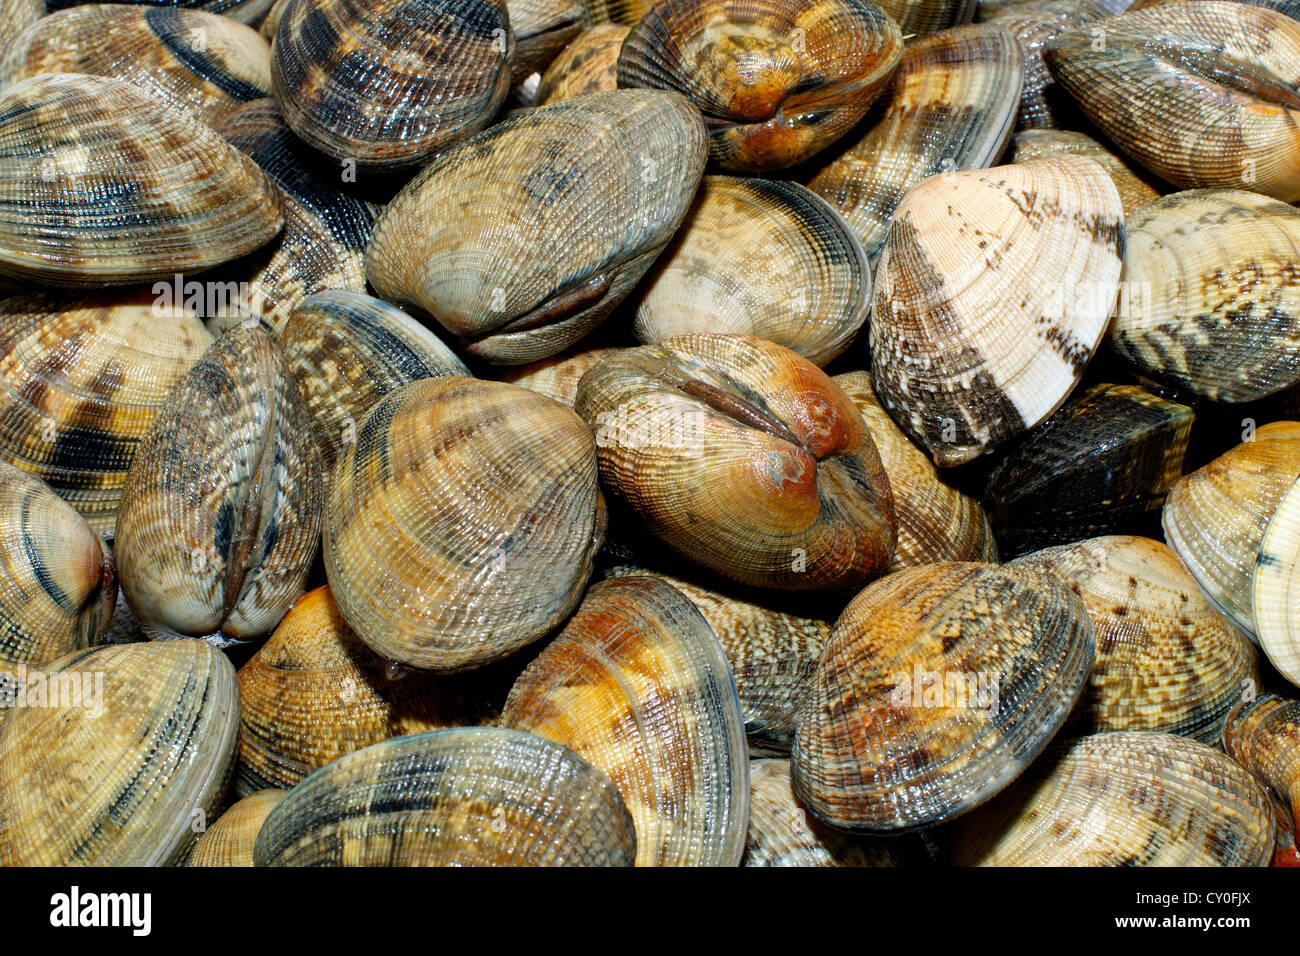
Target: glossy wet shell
{"x":119,"y":188}
{"x":221,"y":512}
{"x":346,"y":351}
{"x":592,"y":188}
{"x":1215,"y":517}
{"x":1263,"y":735}
{"x":940,"y":684}
{"x":17,"y":15}
{"x":1134,"y":190}
{"x":936,"y":522}
{"x":542,"y":28}
{"x":1201,"y":93}
{"x":777,"y":80}
{"x":1033,"y":24}
{"x":389,"y":83}
{"x":314,"y":692}
{"x":760,"y":257}
{"x":589,"y":64}
{"x":477,"y":796}
{"x":118,"y":775}
{"x":1214,"y":305}
{"x":745,"y":457}
{"x":951,"y":105}
{"x":992,"y":293}
{"x":638,"y":685}
{"x":1123,"y":799}
{"x":556,"y":377}
{"x":922,"y":17}
{"x":229,"y":841}
{"x":421,"y":584}
{"x":1275,"y":602}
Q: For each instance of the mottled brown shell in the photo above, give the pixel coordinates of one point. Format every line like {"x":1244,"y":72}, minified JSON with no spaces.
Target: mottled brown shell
{"x":556,"y":377}
{"x":1263,"y":735}
{"x":918,"y":18}
{"x":589,"y":64}
{"x":229,"y":841}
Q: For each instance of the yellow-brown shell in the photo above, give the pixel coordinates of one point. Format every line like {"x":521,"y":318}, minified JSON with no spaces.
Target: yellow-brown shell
{"x":589,"y":64}
{"x":1263,"y":735}
{"x":229,"y":841}
{"x":1275,"y":602}
{"x":556,"y":377}
{"x":922,"y":17}
{"x":1134,"y":190}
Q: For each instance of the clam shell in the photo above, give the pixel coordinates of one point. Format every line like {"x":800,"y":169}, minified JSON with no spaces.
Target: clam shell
{"x":923,"y":17}
{"x":992,"y":293}
{"x":229,"y":841}
{"x":1263,"y":735}
{"x":592,"y":187}
{"x":940,"y":684}
{"x":637,"y":684}
{"x":950,"y":105}
{"x":589,"y":64}
{"x":346,"y":351}
{"x":474,"y":796}
{"x":220,"y":516}
{"x":101,"y":184}
{"x":389,"y":83}
{"x":1274,"y":602}
{"x":778,"y":80}
{"x":745,"y":457}
{"x":626,"y":12}
{"x":129,"y":763}
{"x":463,"y":523}
{"x":1132,"y":798}
{"x":16,"y":16}
{"x":1134,"y":191}
{"x":542,"y":29}
{"x":1214,"y":294}
{"x":760,"y":257}
{"x":936,"y":522}
{"x":556,"y":377}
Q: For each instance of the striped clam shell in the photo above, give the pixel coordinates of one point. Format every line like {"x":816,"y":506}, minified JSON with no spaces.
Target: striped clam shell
{"x":1102,"y":464}
{"x":745,"y":457}
{"x":593,"y":188}
{"x":777,"y":80}
{"x":201,"y":63}
{"x":243,"y":11}
{"x":1215,"y":517}
{"x":463,"y":522}
{"x":389,"y":83}
{"x":936,"y":522}
{"x":589,"y":64}
{"x":1130,"y":798}
{"x":940,"y":684}
{"x":992,"y":293}
{"x":1290,"y":7}
{"x":1165,"y":659}
{"x":1275,"y":603}
{"x":131,"y":748}
{"x":1263,"y":735}
{"x":923,"y":17}
{"x":1130,"y":180}
{"x":229,"y":841}
{"x":81,"y":381}
{"x":1200,"y":93}
{"x":220,"y":516}
{"x":474,"y":796}
{"x":760,"y":257}
{"x":314,"y":693}
{"x":542,"y":29}
{"x":16,"y":16}
{"x":950,"y":105}
{"x":101,"y":184}
{"x":346,"y":351}
{"x":57,"y":587}
{"x":626,"y":12}
{"x":1215,"y":294}
{"x":556,"y":377}
{"x":637,"y":684}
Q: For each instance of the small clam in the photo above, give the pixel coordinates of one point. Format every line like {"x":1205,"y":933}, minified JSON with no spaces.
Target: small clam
{"x":130,"y":747}
{"x":1263,"y":735}
{"x":473,"y":796}
{"x":542,"y":28}
{"x":777,"y":80}
{"x":520,"y":240}
{"x":745,"y":457}
{"x":587,"y":65}
{"x":1275,"y":602}
{"x":992,"y":293}
{"x":463,"y":522}
{"x":556,"y":377}
{"x":220,"y":516}
{"x":229,"y":841}
{"x":1134,"y":190}
{"x":637,"y":684}
{"x":1131,"y":798}
{"x":760,"y":257}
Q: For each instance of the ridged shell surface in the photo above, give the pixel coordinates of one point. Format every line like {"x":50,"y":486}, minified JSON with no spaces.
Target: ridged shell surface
{"x":229,"y":841}
{"x":922,"y":17}
{"x":1033,"y":24}
{"x":1263,"y":735}
{"x":1275,"y":587}
{"x":1134,"y":190}
{"x":589,"y":64}
{"x":542,"y":28}
{"x":556,"y":377}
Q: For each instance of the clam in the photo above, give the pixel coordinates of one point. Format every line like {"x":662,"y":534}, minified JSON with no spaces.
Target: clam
{"x":1275,"y":604}
{"x":473,"y":796}
{"x":1130,"y":798}
{"x":1263,"y":735}
{"x":936,"y":522}
{"x":637,"y":685}
{"x":1165,"y":659}
{"x":102,"y":184}
{"x":777,"y":80}
{"x":124,"y":760}
{"x":520,"y":240}
{"x":589,"y":64}
{"x":1215,"y":517}
{"x":229,"y":841}
{"x":1134,"y":190}
{"x":556,"y":377}
{"x":626,"y":12}
{"x":220,"y":515}
{"x":1102,"y":464}
{"x":745,"y":457}
{"x":1200,"y":93}
{"x":57,"y":588}
{"x":1214,"y":303}
{"x":463,"y":522}
{"x":938,"y":687}
{"x":922,"y":17}
{"x":314,"y":693}
{"x":542,"y":28}
{"x":992,"y":293}
{"x":346,"y":351}
{"x":760,"y":257}
{"x":951,"y":105}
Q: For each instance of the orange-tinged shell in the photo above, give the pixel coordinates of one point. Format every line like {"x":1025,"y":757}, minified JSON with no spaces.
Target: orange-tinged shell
{"x":921,"y":17}
{"x":589,"y":64}
{"x":1263,"y":735}
{"x":229,"y":841}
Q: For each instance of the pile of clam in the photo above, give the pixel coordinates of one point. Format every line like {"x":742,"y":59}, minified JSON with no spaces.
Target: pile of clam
{"x":589,"y":432}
